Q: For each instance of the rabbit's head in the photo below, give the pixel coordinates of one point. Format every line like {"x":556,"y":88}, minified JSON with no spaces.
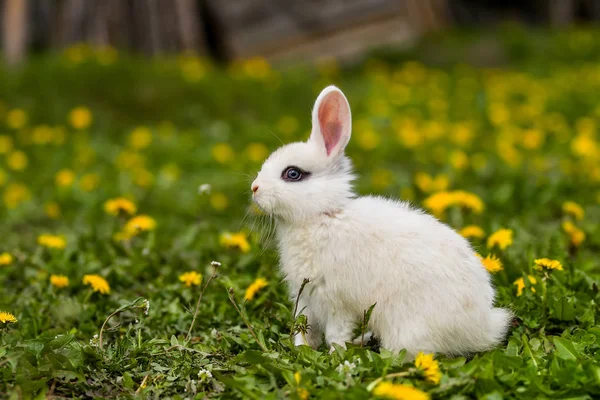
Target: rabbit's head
{"x":305,"y":179}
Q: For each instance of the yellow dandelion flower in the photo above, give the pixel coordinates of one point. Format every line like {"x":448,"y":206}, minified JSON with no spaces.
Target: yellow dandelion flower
{"x":15,"y":194}
{"x":472,"y":231}
{"x":89,"y":182}
{"x":437,"y":203}
{"x":140,"y":138}
{"x":6,"y":317}
{"x":547,"y":263}
{"x":576,"y":235}
{"x":141,"y":223}
{"x":235,"y":240}
{"x":64,"y":177}
{"x":16,"y":118}
{"x":52,"y":241}
{"x":501,"y":238}
{"x":399,"y":392}
{"x":254,"y":288}
{"x":468,"y":200}
{"x":120,"y":206}
{"x":573,"y":209}
{"x":17,"y":160}
{"x":520,"y":283}
{"x":52,"y":210}
{"x":6,"y":259}
{"x":97,"y":283}
{"x":257,"y":152}
{"x":491,"y":263}
{"x":191,"y":278}
{"x":223,"y":153}
{"x":80,"y":117}
{"x":6,"y":144}
{"x":59,"y":281}
{"x":218,"y":201}
{"x":430,"y":367}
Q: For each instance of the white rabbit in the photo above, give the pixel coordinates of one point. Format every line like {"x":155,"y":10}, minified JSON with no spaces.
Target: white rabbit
{"x":432,"y":292}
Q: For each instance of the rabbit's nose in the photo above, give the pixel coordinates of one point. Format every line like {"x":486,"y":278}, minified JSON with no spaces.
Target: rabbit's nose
{"x":254,"y":188}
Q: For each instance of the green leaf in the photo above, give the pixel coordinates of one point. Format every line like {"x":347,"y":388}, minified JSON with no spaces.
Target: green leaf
{"x":565,"y":349}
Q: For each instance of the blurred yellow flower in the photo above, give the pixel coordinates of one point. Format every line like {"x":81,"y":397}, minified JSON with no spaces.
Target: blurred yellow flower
{"x":398,"y":391}
{"x":60,"y":281}
{"x":576,"y":235}
{"x":97,"y":283}
{"x":6,"y":144}
{"x":170,"y":172}
{"x":15,"y":194}
{"x":367,"y":139}
{"x":80,"y":117}
{"x":191,"y":278}
{"x":140,"y":138}
{"x":219,"y":201}
{"x":223,"y":153}
{"x":192,"y":69}
{"x":141,"y":223}
{"x":52,"y":241}
{"x":120,"y":206}
{"x":437,"y":203}
{"x":6,"y":259}
{"x":6,"y":317}
{"x":520,"y":283}
{"x":428,"y":184}
{"x":129,"y":160}
{"x":254,"y":288}
{"x":382,"y":178}
{"x":459,"y":159}
{"x":302,"y":392}
{"x":491,"y":263}
{"x":257,"y":152}
{"x":143,"y":178}
{"x":547,"y":263}
{"x":256,"y":67}
{"x":52,"y":210}
{"x":64,"y":177}
{"x":501,"y":238}
{"x":16,"y":118}
{"x":287,"y":125}
{"x":472,"y":231}
{"x":573,"y":209}
{"x":17,"y":160}
{"x":42,"y":134}
{"x":89,"y":182}
{"x":429,"y":366}
{"x":3,"y":177}
{"x":235,"y":240}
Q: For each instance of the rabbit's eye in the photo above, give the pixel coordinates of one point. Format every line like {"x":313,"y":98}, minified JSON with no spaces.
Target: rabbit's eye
{"x":292,"y":174}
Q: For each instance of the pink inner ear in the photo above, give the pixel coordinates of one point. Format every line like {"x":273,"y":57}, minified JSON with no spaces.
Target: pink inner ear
{"x":329,"y":121}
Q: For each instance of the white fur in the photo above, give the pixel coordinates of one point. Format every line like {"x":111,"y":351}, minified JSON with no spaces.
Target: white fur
{"x":432,"y":292}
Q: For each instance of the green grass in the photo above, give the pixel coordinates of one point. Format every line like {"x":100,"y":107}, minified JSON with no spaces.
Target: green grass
{"x":523,"y":137}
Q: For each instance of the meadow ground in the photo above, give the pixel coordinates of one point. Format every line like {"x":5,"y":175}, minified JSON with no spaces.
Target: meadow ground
{"x":98,"y":295}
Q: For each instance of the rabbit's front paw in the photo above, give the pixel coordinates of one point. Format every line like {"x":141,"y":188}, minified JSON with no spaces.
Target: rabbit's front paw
{"x":339,"y":331}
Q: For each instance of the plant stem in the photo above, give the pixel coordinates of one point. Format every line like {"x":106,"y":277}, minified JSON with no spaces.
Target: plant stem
{"x":214,"y":274}
{"x":305,"y":281}
{"x":231,"y":295}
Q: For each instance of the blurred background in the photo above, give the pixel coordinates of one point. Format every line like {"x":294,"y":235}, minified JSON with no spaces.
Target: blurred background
{"x":278,"y":30}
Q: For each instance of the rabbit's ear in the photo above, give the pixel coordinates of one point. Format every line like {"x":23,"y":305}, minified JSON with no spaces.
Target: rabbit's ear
{"x":331,"y":121}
